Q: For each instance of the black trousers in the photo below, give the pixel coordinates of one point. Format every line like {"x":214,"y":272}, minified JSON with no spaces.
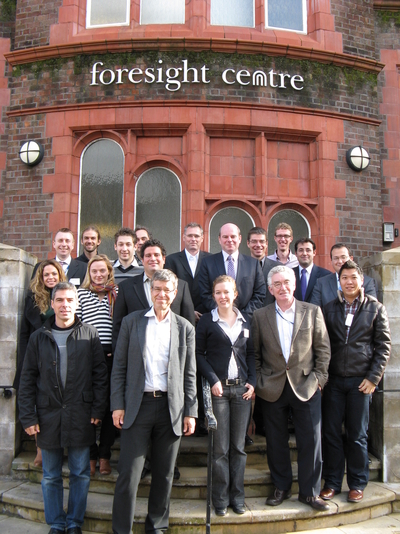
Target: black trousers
{"x":307,"y":425}
{"x":152,"y":424}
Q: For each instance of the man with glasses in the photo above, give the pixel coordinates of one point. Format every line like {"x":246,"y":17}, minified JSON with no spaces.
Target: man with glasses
{"x":283,"y":237}
{"x":153,"y":398}
{"x":292,"y":353}
{"x":326,"y":288}
{"x":257,"y":241}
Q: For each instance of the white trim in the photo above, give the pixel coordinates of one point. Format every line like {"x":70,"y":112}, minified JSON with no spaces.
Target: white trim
{"x":91,"y":26}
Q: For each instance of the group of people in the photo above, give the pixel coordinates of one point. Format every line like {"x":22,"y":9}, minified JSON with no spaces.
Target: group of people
{"x":128,"y":348}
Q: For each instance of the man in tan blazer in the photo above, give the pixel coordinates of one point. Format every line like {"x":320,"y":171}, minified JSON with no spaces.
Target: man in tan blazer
{"x":292,"y":357}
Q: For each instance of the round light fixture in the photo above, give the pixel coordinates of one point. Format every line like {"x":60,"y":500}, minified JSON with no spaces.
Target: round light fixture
{"x":357,"y":158}
{"x":31,"y":153}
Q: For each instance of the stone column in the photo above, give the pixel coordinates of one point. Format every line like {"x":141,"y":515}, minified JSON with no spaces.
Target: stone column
{"x":15,"y":273}
{"x":384,"y":425}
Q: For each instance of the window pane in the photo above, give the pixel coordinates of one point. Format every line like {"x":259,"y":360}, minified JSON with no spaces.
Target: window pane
{"x":235,"y":216}
{"x":298,"y":223}
{"x":287,"y":15}
{"x":232,"y":12}
{"x":106,"y":13}
{"x":102,"y":191}
{"x":162,"y":12}
{"x":158,"y":206}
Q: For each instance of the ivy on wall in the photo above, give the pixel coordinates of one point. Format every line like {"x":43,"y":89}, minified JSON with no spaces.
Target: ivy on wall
{"x":8,"y":9}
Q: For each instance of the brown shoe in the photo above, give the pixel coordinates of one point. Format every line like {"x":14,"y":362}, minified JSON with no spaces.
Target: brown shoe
{"x":105,"y":467}
{"x":355,"y":495}
{"x":38,"y":460}
{"x":93,"y":467}
{"x":328,"y":493}
{"x":278,"y":497}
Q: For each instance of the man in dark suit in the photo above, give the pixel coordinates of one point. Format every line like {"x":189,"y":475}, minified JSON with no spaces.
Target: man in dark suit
{"x":134,"y":293}
{"x":245,"y":270}
{"x":186,"y":264}
{"x":292,"y":353}
{"x":63,"y":244}
{"x":326,"y":288}
{"x":306,"y":273}
{"x":257,"y":241}
{"x":153,"y":398}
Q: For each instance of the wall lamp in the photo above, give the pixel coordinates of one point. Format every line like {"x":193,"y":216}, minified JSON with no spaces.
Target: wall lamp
{"x":357,"y":158}
{"x":31,"y":153}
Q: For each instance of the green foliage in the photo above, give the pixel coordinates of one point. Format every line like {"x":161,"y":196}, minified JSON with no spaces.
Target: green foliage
{"x":8,"y":8}
{"x":386,"y":18}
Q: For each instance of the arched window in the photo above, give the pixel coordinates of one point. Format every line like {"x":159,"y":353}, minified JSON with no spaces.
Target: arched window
{"x":230,"y":215}
{"x":296,"y":220}
{"x":158,"y":206}
{"x":101,"y":191}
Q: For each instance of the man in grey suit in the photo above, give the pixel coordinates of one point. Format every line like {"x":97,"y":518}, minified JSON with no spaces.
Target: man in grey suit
{"x":292,"y":353}
{"x":257,"y":241}
{"x":245,"y":270}
{"x":306,"y":272}
{"x":326,"y":288}
{"x":153,"y":399}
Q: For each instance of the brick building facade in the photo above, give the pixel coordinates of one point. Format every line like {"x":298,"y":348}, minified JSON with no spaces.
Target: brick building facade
{"x":253,"y":118}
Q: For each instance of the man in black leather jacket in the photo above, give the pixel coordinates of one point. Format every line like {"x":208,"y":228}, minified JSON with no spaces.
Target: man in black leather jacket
{"x":359,"y":333}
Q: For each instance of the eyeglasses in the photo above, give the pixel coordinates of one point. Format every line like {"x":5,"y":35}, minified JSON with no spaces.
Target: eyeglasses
{"x":158,"y":290}
{"x":287,"y":236}
{"x":278,"y":285}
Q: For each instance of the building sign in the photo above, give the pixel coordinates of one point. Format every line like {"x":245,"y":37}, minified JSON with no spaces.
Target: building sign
{"x":173,"y":77}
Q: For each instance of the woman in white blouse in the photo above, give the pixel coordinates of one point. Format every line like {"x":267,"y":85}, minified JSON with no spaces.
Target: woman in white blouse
{"x":97,"y":297}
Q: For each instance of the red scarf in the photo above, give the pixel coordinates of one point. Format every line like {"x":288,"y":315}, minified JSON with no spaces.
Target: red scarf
{"x":109,"y":289}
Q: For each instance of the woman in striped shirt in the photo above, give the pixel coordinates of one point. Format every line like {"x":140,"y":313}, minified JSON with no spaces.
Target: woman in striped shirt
{"x":97,"y":297}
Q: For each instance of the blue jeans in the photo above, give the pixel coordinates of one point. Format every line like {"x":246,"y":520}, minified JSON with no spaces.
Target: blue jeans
{"x":229,"y":458}
{"x":52,"y":486}
{"x":342,"y":401}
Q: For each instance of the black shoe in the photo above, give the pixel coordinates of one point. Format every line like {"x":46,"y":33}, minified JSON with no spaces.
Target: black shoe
{"x":315,"y":502}
{"x":248,"y":441}
{"x":278,"y":497}
{"x":221,"y":511}
{"x":74,"y":530}
{"x":239,"y":508}
{"x":201,"y":430}
{"x":55,"y":531}
{"x":177,"y":474}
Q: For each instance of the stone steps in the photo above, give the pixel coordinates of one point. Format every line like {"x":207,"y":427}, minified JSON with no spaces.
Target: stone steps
{"x":24,"y":499}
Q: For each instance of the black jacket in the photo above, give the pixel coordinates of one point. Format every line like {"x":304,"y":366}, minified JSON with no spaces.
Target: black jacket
{"x":214,"y":349}
{"x":368,"y":348}
{"x":63,"y":414}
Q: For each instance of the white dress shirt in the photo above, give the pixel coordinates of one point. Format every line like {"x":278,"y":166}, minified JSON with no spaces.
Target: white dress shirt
{"x":233,"y":333}
{"x":158,"y":337}
{"x":284,"y":322}
{"x":308,"y":272}
{"x":192,"y":261}
{"x":64,"y":263}
{"x":147,"y":288}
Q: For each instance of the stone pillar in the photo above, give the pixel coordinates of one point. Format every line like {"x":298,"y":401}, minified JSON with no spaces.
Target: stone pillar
{"x":15,"y":273}
{"x":384,"y":425}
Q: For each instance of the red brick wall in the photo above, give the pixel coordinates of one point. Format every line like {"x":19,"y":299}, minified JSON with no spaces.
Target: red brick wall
{"x":33,"y":21}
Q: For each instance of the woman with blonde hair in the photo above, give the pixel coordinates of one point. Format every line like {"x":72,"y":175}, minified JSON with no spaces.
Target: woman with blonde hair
{"x":36,"y":311}
{"x":225,"y":357}
{"x":97,"y":296}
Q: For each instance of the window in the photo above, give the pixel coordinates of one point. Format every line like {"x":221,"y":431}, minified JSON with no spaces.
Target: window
{"x":105,"y":13}
{"x":158,"y":206}
{"x":162,"y":12}
{"x":296,"y":220}
{"x":230,"y":215}
{"x":287,"y":15}
{"x":101,"y":191}
{"x":232,"y":13}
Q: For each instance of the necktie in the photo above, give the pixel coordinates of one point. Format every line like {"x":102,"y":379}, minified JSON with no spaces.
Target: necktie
{"x":64,"y":266}
{"x":231,"y":268}
{"x":303,"y":282}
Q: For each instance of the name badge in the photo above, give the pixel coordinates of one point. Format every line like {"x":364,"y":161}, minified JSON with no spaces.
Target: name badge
{"x":246,"y":333}
{"x":349,"y":319}
{"x":75,"y":281}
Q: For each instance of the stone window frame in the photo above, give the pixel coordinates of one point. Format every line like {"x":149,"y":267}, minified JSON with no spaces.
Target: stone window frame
{"x":95,"y":26}
{"x":304,"y":21}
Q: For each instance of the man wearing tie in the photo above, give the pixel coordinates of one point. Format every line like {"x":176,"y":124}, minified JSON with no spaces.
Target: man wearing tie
{"x":63,"y":244}
{"x":245,"y":270}
{"x":186,"y":264}
{"x":306,"y":273}
{"x":153,"y":398}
